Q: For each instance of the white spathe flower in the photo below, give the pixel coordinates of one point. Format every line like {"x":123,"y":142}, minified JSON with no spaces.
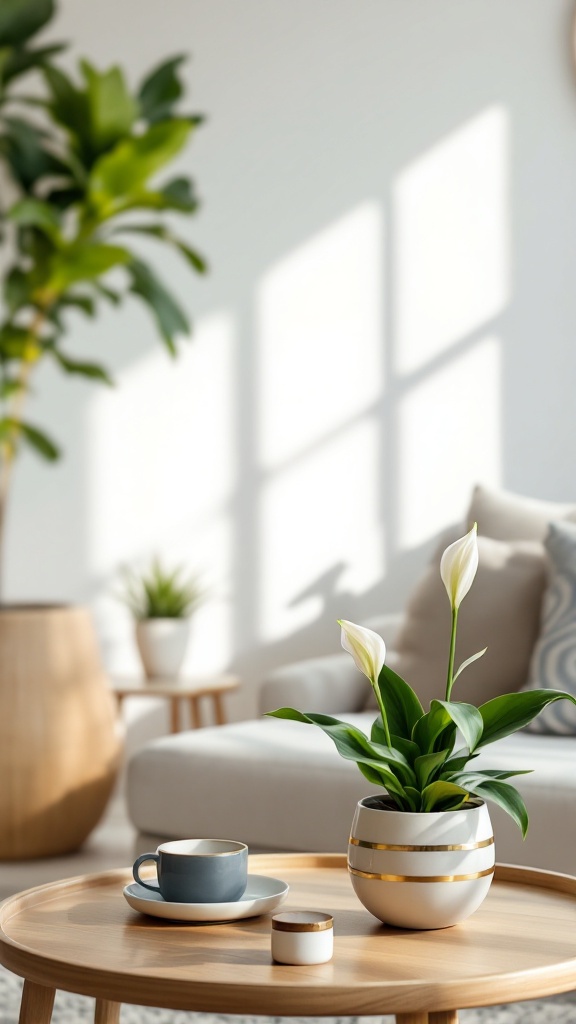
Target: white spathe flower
{"x":458,"y":567}
{"x":366,"y":647}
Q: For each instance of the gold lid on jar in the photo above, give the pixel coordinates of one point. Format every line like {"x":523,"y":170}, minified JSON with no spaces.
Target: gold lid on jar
{"x":302,"y":921}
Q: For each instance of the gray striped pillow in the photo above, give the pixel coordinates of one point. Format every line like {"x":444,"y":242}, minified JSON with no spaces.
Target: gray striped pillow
{"x":553,"y":664}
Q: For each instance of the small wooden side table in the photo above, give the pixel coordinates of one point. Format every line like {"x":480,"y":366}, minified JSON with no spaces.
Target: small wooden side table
{"x":180,"y":690}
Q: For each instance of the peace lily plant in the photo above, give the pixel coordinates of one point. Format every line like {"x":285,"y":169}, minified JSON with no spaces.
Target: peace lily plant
{"x":415,"y":754}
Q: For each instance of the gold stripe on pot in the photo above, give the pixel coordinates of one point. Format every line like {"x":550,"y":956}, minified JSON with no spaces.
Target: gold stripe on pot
{"x":420,"y":878}
{"x":427,"y":849}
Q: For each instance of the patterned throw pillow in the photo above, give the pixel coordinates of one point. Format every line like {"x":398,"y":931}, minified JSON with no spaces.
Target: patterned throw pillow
{"x":553,"y":664}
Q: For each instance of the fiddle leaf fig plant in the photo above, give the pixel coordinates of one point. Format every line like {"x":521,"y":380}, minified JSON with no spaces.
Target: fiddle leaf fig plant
{"x":423,"y":759}
{"x":85,"y":158}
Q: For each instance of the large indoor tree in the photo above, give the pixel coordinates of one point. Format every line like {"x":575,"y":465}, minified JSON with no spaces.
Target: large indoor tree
{"x":85,"y":156}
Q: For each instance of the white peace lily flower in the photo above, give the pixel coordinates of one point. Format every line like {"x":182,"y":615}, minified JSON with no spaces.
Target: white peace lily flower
{"x":458,"y":567}
{"x":366,"y":647}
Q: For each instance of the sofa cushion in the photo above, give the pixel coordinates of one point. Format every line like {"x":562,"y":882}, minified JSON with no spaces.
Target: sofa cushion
{"x":273,"y":784}
{"x":553,"y":665}
{"x":501,"y":612}
{"x":282,"y":785}
{"x":507,"y":516}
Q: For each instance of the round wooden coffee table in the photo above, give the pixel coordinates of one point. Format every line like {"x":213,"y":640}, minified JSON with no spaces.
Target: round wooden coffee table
{"x":80,"y":935}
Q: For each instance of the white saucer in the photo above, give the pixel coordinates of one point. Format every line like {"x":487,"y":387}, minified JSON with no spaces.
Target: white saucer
{"x":262,"y":895}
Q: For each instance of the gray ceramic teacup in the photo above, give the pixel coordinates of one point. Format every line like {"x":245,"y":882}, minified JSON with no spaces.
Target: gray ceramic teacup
{"x":198,"y":870}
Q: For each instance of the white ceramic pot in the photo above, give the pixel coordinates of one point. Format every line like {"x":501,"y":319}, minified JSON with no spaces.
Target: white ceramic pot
{"x":162,"y":645}
{"x":427,"y":870}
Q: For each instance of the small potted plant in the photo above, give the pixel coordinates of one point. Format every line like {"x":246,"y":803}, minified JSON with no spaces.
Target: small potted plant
{"x":162,"y":602}
{"x":432,"y":830}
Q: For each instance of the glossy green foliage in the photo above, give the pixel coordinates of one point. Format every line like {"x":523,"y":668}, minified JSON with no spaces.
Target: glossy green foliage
{"x":423,"y":770}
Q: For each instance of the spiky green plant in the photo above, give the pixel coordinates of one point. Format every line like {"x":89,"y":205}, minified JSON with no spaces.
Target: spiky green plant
{"x":158,"y":593}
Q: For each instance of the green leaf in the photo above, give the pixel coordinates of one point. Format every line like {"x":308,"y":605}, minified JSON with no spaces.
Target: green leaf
{"x":9,"y":387}
{"x":178,"y":195}
{"x":377,"y":778}
{"x":160,"y":90}
{"x":70,"y":108}
{"x":20,"y":60}
{"x":459,"y":760}
{"x":504,"y":715}
{"x":427,"y":765}
{"x":165,"y":235}
{"x":405,"y":747}
{"x":443,"y":796}
{"x":21,"y":19}
{"x":34,"y":437}
{"x":111,"y":109}
{"x":469,"y":661}
{"x":23,"y":147}
{"x":83,"y":261}
{"x":63,"y":198}
{"x":352,"y":744}
{"x":462,"y":778}
{"x":85,"y":303}
{"x":466,"y":718}
{"x":415,"y":798}
{"x":169,"y":316}
{"x":17,"y":343}
{"x":32,"y":212}
{"x":403,"y":709}
{"x":84,"y":369}
{"x":433,"y":727}
{"x":505,"y":796}
{"x":121,"y":173}
{"x":16,"y":289}
{"x":115,"y":298}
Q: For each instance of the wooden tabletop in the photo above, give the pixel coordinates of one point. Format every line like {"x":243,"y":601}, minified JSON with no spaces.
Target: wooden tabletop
{"x":82,"y":936}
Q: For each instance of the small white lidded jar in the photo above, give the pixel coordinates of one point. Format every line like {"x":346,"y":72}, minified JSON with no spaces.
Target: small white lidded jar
{"x":302,"y":937}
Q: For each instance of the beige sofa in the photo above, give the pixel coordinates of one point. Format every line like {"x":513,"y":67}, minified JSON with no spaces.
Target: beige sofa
{"x":281,"y":785}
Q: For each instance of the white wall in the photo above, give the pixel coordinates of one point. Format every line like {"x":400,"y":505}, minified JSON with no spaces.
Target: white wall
{"x":389,"y":212}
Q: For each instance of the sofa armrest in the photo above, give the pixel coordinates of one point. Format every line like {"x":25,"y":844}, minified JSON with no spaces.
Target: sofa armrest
{"x":324,"y":685}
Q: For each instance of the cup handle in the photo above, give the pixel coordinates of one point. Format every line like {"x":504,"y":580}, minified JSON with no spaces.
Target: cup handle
{"x":136,"y":866}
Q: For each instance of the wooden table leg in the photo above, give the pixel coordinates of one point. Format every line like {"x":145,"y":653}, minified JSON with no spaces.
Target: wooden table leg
{"x":195,"y":714}
{"x":174,"y":715}
{"x":107,"y":1012}
{"x":439,"y":1017}
{"x":218,"y":709}
{"x":37,"y":1003}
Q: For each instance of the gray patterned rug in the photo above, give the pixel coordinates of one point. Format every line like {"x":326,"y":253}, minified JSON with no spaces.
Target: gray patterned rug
{"x":71,"y":1009}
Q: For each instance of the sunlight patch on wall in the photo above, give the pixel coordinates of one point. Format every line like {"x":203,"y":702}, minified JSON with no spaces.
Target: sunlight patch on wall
{"x":320,"y":332}
{"x":320,"y":335}
{"x":162,"y":470}
{"x":451,"y":231}
{"x":449,"y":436}
{"x":320,"y":535}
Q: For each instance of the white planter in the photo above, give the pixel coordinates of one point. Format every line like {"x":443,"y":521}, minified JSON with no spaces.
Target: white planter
{"x":162,"y":645}
{"x":427,"y":870}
